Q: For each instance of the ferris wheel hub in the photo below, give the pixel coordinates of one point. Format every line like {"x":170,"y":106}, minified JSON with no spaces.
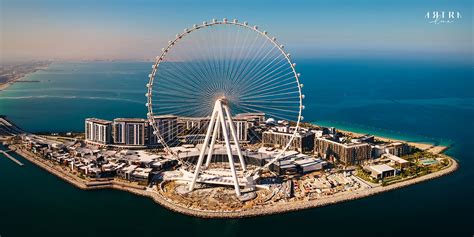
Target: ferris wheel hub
{"x":223,"y":100}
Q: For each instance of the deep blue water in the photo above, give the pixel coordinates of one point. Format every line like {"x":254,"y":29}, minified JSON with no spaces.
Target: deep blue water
{"x":407,"y":99}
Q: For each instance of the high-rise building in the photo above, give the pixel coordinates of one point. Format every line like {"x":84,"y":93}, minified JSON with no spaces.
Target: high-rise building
{"x":280,"y":137}
{"x":257,"y":117}
{"x":130,"y":131}
{"x":194,"y":123}
{"x":196,"y":127}
{"x":98,"y":131}
{"x":241,"y":126}
{"x":168,"y":129}
{"x":346,"y":153}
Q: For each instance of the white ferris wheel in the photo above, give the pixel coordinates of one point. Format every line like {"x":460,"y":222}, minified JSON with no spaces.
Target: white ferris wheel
{"x":210,"y":76}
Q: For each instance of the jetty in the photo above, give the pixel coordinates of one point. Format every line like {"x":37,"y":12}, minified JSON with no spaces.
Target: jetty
{"x":8,"y":128}
{"x":11,"y":157}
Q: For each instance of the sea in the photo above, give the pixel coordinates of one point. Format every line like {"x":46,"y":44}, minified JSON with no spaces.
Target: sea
{"x":419,"y":100}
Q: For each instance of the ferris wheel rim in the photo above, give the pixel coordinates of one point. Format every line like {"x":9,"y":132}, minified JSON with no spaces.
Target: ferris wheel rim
{"x":213,"y":23}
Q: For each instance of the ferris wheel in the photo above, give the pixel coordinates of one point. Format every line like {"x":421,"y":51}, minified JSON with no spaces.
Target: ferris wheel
{"x":208,"y":76}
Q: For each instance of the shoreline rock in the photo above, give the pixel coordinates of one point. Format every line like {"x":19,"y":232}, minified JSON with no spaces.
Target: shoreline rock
{"x":260,"y":211}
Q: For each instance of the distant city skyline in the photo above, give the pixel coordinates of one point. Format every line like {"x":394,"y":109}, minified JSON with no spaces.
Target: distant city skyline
{"x":137,"y":30}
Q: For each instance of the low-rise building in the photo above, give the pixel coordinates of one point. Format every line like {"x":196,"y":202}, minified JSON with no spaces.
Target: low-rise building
{"x":398,"y":149}
{"x":306,"y":165}
{"x":293,"y":162}
{"x":126,"y":172}
{"x":397,"y":161}
{"x":141,"y":174}
{"x":381,"y":171}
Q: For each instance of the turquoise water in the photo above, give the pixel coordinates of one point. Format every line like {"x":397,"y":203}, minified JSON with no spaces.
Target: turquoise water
{"x":413,"y":100}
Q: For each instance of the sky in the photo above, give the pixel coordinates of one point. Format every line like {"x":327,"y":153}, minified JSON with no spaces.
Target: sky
{"x":137,"y":30}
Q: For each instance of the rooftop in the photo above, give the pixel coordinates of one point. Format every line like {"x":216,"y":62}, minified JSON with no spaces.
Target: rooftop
{"x":100,"y":121}
{"x":395,"y":158}
{"x":346,"y":145}
{"x":165,"y":116}
{"x":381,"y":168}
{"x":129,"y":120}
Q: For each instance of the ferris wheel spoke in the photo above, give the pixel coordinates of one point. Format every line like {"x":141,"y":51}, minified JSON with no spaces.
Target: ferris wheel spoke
{"x":251,"y":65}
{"x":258,"y":78}
{"x":192,"y":60}
{"x":272,"y":114}
{"x":240,"y":55}
{"x":247,"y":60}
{"x":177,"y":76}
{"x":232,"y":55}
{"x":269,"y":107}
{"x":257,"y":65}
{"x":213,"y":54}
{"x":187,"y":66}
{"x":170,"y":94}
{"x":286,"y":91}
{"x":273,"y":82}
{"x":267,"y":87}
{"x":213,"y":61}
{"x":184,"y":69}
{"x":276,"y":101}
{"x":244,"y":61}
{"x":183,"y":90}
{"x":185,"y":83}
{"x":203,"y":65}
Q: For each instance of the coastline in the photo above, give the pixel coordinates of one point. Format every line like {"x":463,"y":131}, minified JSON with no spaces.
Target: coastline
{"x":436,"y":149}
{"x":281,"y":208}
{"x":7,"y":84}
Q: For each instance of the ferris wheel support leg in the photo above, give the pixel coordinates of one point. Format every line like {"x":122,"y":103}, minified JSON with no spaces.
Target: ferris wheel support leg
{"x":213,"y":142}
{"x":229,"y":149}
{"x":234,"y":137}
{"x":204,"y":146}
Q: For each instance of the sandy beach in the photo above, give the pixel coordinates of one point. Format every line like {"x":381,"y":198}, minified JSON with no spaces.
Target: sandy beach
{"x":65,"y":175}
{"x":5,"y":85}
{"x":435,"y":149}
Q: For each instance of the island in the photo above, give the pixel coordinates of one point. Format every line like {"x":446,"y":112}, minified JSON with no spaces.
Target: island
{"x":323,"y":166}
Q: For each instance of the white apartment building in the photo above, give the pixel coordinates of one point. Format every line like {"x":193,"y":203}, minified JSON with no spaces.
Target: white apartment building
{"x":98,"y":131}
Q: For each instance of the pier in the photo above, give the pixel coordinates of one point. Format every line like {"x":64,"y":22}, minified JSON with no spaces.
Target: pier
{"x":11,"y":157}
{"x":8,"y":128}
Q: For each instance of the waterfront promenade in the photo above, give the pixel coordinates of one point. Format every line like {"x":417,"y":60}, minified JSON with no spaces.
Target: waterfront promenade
{"x":64,"y":174}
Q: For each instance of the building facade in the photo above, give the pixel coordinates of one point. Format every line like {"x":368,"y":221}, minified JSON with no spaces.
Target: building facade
{"x":348,"y":154}
{"x":173,"y":129}
{"x":197,"y":126}
{"x":98,"y":131}
{"x":130,"y":131}
{"x":303,"y":141}
{"x":194,"y":123}
{"x":398,"y":149}
{"x":168,"y":129}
